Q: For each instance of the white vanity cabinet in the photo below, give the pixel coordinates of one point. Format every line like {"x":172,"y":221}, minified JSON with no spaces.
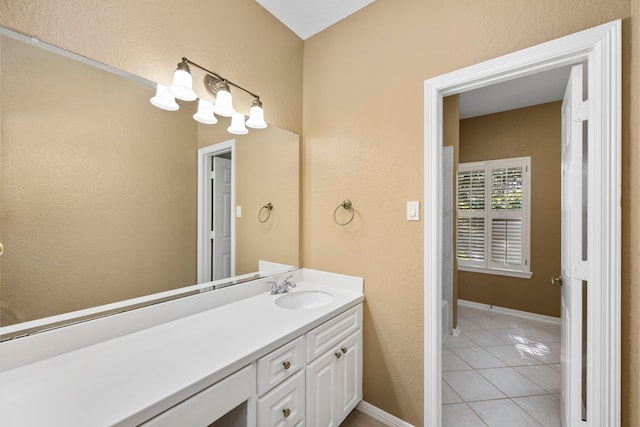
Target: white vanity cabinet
{"x":281,"y":386}
{"x":314,"y":380}
{"x":228,"y":358}
{"x":334,"y":369}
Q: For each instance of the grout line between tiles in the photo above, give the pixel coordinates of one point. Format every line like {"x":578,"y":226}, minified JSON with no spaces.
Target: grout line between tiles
{"x":528,"y":343}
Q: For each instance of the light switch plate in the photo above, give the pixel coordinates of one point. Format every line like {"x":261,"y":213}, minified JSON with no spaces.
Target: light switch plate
{"x":238,"y":211}
{"x":413,"y":210}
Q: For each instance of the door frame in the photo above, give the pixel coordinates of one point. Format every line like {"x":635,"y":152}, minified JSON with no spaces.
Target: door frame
{"x":204,"y":204}
{"x":600,"y":49}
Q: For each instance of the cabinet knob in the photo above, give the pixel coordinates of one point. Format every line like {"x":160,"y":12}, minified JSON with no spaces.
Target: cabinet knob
{"x":344,"y":349}
{"x":286,"y":412}
{"x":286,"y":364}
{"x":338,"y":354}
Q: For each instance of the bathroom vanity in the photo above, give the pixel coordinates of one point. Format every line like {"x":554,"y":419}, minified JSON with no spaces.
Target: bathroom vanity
{"x":292,"y":359}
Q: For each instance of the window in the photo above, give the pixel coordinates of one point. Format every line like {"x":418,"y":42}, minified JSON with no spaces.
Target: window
{"x":493,"y":216}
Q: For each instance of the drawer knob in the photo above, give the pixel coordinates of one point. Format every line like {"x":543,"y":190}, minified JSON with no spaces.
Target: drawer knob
{"x":286,"y":364}
{"x":344,"y":349}
{"x":286,"y":412}
{"x":338,"y":354}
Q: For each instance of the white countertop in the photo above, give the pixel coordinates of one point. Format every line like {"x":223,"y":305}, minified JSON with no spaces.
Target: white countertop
{"x":129,"y":379}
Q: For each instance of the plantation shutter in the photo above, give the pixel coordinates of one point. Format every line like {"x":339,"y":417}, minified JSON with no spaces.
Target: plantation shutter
{"x":471,"y":240}
{"x":506,"y":242}
{"x":507,"y":218}
{"x":493,"y":215}
{"x":471,"y":217}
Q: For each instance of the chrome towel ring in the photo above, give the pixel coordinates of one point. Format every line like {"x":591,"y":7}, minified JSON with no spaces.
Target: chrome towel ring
{"x":348,"y":206}
{"x":265,"y":209}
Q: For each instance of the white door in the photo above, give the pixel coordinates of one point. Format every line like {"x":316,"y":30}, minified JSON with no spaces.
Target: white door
{"x":574,"y":111}
{"x":221,"y":232}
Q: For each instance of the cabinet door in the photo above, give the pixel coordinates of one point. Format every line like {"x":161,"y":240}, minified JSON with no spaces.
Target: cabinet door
{"x":284,"y":406}
{"x":350,"y":375}
{"x":322,"y":393}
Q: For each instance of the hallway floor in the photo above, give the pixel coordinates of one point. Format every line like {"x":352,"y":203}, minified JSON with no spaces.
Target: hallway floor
{"x":502,"y":370}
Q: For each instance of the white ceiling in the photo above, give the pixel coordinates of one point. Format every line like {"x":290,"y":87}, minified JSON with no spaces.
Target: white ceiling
{"x":536,"y":89}
{"x":308,"y":17}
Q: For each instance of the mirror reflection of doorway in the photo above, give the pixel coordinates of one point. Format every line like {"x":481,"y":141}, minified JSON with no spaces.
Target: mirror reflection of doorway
{"x":216,"y":201}
{"x":220,"y":218}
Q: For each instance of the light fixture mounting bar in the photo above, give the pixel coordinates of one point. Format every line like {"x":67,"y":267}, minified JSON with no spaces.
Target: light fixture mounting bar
{"x":218,"y":76}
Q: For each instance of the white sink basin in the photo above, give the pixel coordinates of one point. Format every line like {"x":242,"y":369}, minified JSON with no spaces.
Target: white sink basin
{"x":304,"y":299}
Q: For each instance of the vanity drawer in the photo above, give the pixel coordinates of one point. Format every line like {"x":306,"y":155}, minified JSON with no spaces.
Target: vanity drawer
{"x":327,"y":335}
{"x":210,"y":404}
{"x":280,"y":364}
{"x":284,"y":406}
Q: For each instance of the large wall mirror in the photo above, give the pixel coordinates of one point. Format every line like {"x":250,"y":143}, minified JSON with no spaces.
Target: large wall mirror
{"x":99,"y":189}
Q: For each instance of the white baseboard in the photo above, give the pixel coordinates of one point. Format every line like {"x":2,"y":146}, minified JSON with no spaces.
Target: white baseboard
{"x":380,"y":415}
{"x":523,"y":314}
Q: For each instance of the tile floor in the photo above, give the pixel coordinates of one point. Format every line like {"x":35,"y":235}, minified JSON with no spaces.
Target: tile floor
{"x":502,"y":370}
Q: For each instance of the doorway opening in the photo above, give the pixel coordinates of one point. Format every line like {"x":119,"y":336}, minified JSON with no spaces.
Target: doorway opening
{"x":216,"y":202}
{"x":599,"y":49}
{"x":503,"y":361}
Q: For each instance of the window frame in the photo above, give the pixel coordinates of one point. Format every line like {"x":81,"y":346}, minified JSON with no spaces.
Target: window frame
{"x":487,"y":266}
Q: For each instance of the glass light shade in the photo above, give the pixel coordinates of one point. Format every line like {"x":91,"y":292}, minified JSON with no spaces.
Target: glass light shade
{"x":205,"y":113}
{"x":224,"y":105}
{"x":256,"y":118}
{"x":182,"y":86}
{"x":164,"y":99}
{"x":237,"y":125}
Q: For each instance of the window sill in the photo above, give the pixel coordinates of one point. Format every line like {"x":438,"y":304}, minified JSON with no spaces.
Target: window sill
{"x":511,"y":273}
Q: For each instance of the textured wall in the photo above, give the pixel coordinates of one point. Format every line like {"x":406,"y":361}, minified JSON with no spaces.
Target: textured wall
{"x":535,"y":132}
{"x":363,"y":140}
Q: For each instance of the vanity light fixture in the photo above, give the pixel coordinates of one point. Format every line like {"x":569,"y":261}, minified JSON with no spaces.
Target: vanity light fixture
{"x":164,"y":99}
{"x":205,"y":113}
{"x":182,"y":85}
{"x":256,"y":115}
{"x":216,"y":85}
{"x":237,"y":125}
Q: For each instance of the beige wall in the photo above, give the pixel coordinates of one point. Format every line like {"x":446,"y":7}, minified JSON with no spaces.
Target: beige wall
{"x":363,"y":140}
{"x":535,"y":132}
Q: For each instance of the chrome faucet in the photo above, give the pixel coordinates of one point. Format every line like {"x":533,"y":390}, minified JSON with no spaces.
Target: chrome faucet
{"x":281,"y":288}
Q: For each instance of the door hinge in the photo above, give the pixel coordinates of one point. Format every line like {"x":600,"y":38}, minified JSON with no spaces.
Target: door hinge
{"x":581,"y":270}
{"x":581,"y":111}
{"x":212,"y":175}
{"x":212,"y":235}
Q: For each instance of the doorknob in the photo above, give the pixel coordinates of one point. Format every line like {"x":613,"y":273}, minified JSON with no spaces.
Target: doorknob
{"x":556,"y":280}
